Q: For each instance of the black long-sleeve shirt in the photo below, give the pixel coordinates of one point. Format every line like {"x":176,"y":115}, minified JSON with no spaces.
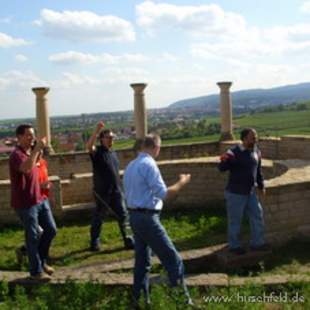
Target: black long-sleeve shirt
{"x":245,"y":169}
{"x":105,"y":171}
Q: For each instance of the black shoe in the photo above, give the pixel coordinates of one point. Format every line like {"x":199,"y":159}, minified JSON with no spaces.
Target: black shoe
{"x":261,"y":248}
{"x":237,"y":251}
{"x":129,"y":243}
{"x":95,"y":248}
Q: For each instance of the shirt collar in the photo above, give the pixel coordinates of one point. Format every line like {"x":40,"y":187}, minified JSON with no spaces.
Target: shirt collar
{"x":22,"y":150}
{"x":242,"y":148}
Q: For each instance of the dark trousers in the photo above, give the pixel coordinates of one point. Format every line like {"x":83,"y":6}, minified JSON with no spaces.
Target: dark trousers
{"x":116,"y":203}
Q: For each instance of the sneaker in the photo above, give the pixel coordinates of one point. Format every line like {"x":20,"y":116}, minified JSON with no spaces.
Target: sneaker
{"x":261,"y":248}
{"x":41,"y":277}
{"x":95,"y":248}
{"x":129,"y":243}
{"x":48,"y":269}
{"x":237,"y":251}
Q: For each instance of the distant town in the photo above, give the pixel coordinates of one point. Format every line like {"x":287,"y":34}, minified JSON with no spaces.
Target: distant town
{"x":187,"y":118}
{"x":69,"y":133}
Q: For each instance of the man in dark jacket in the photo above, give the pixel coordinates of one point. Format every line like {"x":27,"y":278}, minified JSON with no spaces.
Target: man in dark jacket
{"x":243,"y":161}
{"x":107,"y":187}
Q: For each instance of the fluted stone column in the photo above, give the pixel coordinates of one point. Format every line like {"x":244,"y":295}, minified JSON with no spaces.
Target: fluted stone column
{"x":43,"y":122}
{"x":226,"y":111}
{"x":139,"y":110}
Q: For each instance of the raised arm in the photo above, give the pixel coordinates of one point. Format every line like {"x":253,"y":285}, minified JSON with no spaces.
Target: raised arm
{"x":175,"y":188}
{"x":90,"y":145}
{"x":226,"y":160}
{"x":28,"y":164}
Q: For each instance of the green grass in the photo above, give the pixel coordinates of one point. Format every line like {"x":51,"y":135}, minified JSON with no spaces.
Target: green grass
{"x":93,"y":296}
{"x":267,"y":124}
{"x":277,"y":123}
{"x":188,"y":229}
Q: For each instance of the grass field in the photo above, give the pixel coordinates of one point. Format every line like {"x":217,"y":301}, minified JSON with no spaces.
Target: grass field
{"x":267,"y":124}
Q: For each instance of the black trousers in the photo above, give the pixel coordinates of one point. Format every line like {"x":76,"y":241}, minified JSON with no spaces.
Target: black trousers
{"x":116,"y":203}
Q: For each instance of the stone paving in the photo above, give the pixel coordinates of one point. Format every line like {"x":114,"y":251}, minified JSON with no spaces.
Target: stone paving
{"x":115,"y":274}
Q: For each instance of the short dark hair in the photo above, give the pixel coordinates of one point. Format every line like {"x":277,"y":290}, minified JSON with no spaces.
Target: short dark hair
{"x":20,"y":130}
{"x":104,"y":133}
{"x":150,"y":141}
{"x":244,"y":133}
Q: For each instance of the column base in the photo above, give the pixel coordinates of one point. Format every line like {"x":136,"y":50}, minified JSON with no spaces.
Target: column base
{"x":227,"y":136}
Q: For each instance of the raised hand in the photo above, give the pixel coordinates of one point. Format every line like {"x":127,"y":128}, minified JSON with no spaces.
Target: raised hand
{"x":100,"y":126}
{"x":41,"y":143}
{"x":184,"y":178}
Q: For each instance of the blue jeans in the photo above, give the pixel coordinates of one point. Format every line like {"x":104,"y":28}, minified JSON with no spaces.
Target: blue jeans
{"x":236,"y":206}
{"x":38,"y":247}
{"x":117,"y":204}
{"x":149,"y":236}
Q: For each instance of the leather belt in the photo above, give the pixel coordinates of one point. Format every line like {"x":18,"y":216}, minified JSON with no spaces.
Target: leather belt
{"x":144,"y":210}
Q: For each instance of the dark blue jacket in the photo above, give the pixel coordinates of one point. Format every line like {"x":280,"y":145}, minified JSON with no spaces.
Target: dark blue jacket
{"x":245,"y":169}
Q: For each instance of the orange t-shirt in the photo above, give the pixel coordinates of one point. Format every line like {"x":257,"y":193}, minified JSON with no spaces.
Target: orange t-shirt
{"x":43,"y":176}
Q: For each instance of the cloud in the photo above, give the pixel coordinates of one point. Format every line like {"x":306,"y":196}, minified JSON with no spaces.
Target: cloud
{"x":7,"y":41}
{"x":305,"y":7}
{"x":201,"y":20}
{"x":73,"y":57}
{"x":73,"y":79}
{"x":258,"y":43}
{"x":84,"y":26}
{"x":21,"y":58}
{"x":126,"y":75}
{"x":219,"y":33}
{"x":6,"y":20}
{"x":18,"y":80}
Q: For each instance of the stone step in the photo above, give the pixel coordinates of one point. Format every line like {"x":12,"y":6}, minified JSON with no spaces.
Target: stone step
{"x":227,"y":260}
{"x":77,"y":211}
{"x":125,"y":279}
{"x":194,"y":260}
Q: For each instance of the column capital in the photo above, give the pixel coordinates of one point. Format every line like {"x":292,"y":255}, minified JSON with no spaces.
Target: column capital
{"x":40,"y":91}
{"x":224,"y":86}
{"x":138,"y":87}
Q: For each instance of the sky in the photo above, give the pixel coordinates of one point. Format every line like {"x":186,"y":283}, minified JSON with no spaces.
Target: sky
{"x":89,"y":52}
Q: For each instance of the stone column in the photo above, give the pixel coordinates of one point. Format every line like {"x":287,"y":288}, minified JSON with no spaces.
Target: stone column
{"x":139,"y":110}
{"x":43,"y":122}
{"x":226,"y":111}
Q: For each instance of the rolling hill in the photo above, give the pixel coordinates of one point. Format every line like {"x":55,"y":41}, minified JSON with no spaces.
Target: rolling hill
{"x":251,"y":98}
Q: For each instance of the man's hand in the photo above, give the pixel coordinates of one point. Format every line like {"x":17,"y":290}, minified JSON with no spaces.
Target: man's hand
{"x":184,"y":178}
{"x":100,"y":126}
{"x":229,"y":155}
{"x":41,"y":144}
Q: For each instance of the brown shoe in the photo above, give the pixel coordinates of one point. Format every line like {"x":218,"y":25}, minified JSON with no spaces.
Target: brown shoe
{"x":41,"y":277}
{"x":48,"y":269}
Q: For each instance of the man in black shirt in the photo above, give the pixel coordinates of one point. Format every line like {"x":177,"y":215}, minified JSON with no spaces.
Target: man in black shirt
{"x":243,"y":161}
{"x":108,"y":191}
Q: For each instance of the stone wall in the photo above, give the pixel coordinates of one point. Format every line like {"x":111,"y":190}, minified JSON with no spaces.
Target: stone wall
{"x":66,"y":164}
{"x":205,"y":189}
{"x":286,"y":147}
{"x":287,"y":211}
